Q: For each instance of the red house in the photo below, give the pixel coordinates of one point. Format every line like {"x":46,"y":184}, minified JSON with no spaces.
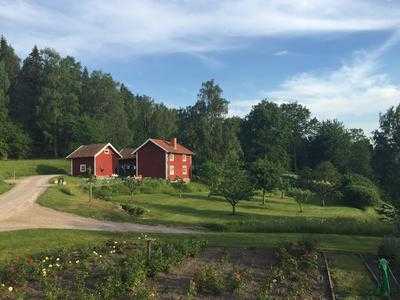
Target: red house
{"x":159,"y":158}
{"x":101,"y":160}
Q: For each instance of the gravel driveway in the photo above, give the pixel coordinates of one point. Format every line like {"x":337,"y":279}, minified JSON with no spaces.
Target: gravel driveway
{"x":19,"y":210}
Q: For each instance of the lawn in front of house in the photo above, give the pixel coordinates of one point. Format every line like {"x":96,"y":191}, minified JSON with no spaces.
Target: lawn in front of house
{"x":29,"y":167}
{"x":196,"y":209}
{"x":4,"y":186}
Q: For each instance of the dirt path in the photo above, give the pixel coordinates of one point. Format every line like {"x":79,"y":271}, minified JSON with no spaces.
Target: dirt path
{"x":19,"y":210}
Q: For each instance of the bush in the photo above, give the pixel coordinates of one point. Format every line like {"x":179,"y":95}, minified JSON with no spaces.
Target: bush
{"x":66,"y":190}
{"x":360,"y":196}
{"x":133,"y":210}
{"x":210,"y":280}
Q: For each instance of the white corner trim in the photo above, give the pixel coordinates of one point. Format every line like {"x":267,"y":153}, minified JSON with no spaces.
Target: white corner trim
{"x":112,"y":147}
{"x":74,"y":151}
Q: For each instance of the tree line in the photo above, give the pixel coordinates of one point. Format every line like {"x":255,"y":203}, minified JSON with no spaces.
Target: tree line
{"x":50,"y":104}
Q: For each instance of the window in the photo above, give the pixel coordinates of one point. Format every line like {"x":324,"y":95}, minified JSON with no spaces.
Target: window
{"x":107,"y":151}
{"x":82,"y":168}
{"x":171,"y":157}
{"x":184,"y":170}
{"x":171,"y":170}
{"x":184,"y":157}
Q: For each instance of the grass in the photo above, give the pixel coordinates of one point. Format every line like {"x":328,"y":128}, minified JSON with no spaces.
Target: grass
{"x":4,"y":186}
{"x":198,"y":210}
{"x":350,"y":277}
{"x":29,"y":242}
{"x":31,"y":167}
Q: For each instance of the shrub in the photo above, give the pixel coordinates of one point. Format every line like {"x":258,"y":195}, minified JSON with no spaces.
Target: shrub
{"x":209,"y":280}
{"x":360,"y":196}
{"x":133,"y":210}
{"x":66,"y":190}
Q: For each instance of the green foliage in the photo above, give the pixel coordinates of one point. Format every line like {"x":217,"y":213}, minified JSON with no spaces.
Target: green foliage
{"x":210,"y":280}
{"x":234,"y":185}
{"x":301,"y":196}
{"x":327,"y":172}
{"x":66,"y":190}
{"x":135,"y":211}
{"x":294,"y":273}
{"x":386,"y":153}
{"x":266,"y":175}
{"x":210,"y":174}
{"x":360,"y":196}
{"x":132,"y":184}
{"x":109,"y":270}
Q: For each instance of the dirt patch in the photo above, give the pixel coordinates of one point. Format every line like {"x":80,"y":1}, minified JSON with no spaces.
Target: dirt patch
{"x":254,"y":264}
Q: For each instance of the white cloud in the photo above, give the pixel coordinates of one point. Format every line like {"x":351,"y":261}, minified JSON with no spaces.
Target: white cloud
{"x":122,"y":28}
{"x":356,"y":91}
{"x":281,"y":53}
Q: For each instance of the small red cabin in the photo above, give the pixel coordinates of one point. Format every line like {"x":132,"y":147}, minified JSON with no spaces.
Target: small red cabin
{"x":159,"y":158}
{"x":101,"y":160}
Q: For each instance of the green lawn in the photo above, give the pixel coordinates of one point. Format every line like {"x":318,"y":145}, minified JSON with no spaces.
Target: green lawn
{"x":33,"y":167}
{"x":4,"y":187}
{"x":28,"y":242}
{"x":198,"y":210}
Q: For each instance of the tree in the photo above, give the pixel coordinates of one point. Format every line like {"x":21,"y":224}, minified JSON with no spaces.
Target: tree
{"x":133,"y":184}
{"x":26,"y":93}
{"x":58,"y":104}
{"x":204,"y":127}
{"x":235,"y":185}
{"x":361,"y":150}
{"x":266,"y":175}
{"x":331,"y":142}
{"x":301,"y":127}
{"x":300,"y":196}
{"x":386,"y":157}
{"x":10,"y":59}
{"x":179,"y":186}
{"x":211,"y":174}
{"x":265,"y":132}
{"x":327,"y":172}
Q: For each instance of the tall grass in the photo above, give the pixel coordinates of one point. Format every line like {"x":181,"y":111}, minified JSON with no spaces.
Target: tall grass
{"x":275,"y":224}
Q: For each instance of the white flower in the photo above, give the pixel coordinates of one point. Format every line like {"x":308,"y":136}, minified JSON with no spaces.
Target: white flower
{"x":77,"y":261}
{"x":58,"y":265}
{"x":3,"y":285}
{"x":57,"y":259}
{"x":100,"y":256}
{"x":94,"y":252}
{"x":50,"y":266}
{"x":46,"y":258}
{"x":10,"y":289}
{"x":70,"y":262}
{"x":115,"y":242}
{"x":274,"y":280}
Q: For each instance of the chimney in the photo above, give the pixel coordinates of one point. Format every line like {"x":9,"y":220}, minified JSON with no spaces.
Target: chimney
{"x":174,"y":142}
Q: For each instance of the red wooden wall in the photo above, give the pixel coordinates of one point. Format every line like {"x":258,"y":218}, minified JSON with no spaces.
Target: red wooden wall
{"x":107,"y":164}
{"x":151,"y":161}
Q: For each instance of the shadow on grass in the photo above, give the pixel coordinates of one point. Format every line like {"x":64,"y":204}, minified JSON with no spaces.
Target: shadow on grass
{"x":43,"y":169}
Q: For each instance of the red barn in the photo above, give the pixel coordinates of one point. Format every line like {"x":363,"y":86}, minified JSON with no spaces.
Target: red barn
{"x":101,"y":160}
{"x":163,"y":159}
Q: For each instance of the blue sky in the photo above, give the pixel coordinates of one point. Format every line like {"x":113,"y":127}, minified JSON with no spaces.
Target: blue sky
{"x":339,"y":58}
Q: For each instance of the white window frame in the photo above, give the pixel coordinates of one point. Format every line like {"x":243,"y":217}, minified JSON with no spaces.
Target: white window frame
{"x":171,"y":170}
{"x":82,"y":168}
{"x":107,"y":151}
{"x":171,"y":157}
{"x":184,"y":170}
{"x":184,"y":157}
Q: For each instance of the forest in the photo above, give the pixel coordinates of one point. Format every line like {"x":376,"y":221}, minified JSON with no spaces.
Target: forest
{"x":50,"y":104}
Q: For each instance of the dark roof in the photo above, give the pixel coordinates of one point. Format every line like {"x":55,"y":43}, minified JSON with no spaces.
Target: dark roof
{"x":90,"y":150}
{"x":127,"y":153}
{"x":167,"y":146}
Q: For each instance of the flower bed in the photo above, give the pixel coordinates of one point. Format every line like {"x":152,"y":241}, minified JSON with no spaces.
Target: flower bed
{"x":112,"y":270}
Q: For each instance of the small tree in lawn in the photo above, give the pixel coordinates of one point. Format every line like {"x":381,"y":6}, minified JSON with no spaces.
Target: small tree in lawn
{"x":132,"y":183}
{"x":300,"y":196}
{"x":285,"y":183}
{"x":324,"y":190}
{"x":210,"y":174}
{"x":266,"y":175}
{"x":179,"y":186}
{"x":234,"y":183}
